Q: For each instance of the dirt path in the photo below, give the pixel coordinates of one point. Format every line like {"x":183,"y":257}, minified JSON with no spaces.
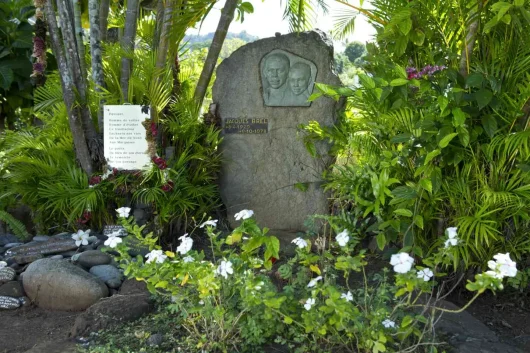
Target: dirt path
{"x":25,"y":328}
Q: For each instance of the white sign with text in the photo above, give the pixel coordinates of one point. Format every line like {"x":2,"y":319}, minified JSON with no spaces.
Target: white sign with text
{"x":125,"y":145}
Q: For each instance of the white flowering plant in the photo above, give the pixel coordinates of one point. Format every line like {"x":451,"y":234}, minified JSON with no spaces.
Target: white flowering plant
{"x":316,"y":300}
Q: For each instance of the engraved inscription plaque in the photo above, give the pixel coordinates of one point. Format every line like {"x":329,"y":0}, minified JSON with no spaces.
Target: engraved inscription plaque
{"x":246,"y":126}
{"x":287,"y":79}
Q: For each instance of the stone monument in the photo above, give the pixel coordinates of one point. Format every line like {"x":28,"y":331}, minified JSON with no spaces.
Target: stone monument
{"x":261,"y":94}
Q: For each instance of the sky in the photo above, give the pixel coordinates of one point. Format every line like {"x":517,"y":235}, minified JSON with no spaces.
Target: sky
{"x":267,"y":20}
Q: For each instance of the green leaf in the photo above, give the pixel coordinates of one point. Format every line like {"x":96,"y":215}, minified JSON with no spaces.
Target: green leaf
{"x":431,"y":155}
{"x":519,"y":3}
{"x":418,"y":220}
{"x":302,"y":186}
{"x":501,"y":8}
{"x":400,"y":70}
{"x":378,"y":347}
{"x":401,"y":138}
{"x":417,"y":37}
{"x":463,"y":135}
{"x":426,"y":184}
{"x":367,"y":81}
{"x":161,"y":284}
{"x":287,"y":320}
{"x":407,"y":320}
{"x":399,"y":82}
{"x":445,"y":141}
{"x":6,"y":77}
{"x":405,"y":26}
{"x":483,"y":97}
{"x":459,"y":117}
{"x":474,"y":80}
{"x":489,"y":123}
{"x":403,"y":212}
{"x":443,"y":102}
{"x":246,"y":7}
{"x":381,"y":240}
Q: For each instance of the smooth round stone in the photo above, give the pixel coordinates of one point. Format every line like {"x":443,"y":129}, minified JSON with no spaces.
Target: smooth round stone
{"x":12,"y":289}
{"x":92,"y":239}
{"x":108,"y":274}
{"x":12,"y":245}
{"x":57,"y":257}
{"x":27,"y":259}
{"x":9,"y":303}
{"x":70,"y":253}
{"x":93,"y":258}
{"x":40,"y":238}
{"x":60,"y":285}
{"x":155,"y":340}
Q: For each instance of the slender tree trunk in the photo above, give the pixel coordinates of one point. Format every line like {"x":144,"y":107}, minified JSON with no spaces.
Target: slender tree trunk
{"x":76,"y":125}
{"x":227,"y":15}
{"x":103,"y":19}
{"x":159,"y":23}
{"x":76,"y":6}
{"x":163,"y":43}
{"x":127,"y":44}
{"x":96,"y":55}
{"x":471,"y":38}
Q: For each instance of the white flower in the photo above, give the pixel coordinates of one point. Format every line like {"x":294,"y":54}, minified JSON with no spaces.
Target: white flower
{"x":426,"y":274}
{"x":81,"y":237}
{"x":188,"y":259}
{"x":314,"y":281}
{"x":155,"y":255}
{"x":503,"y":266}
{"x":112,"y":241}
{"x":402,"y":262}
{"x":3,"y":264}
{"x":309,"y":303}
{"x":301,"y":243}
{"x":244,"y":214}
{"x":452,"y":237}
{"x":342,"y":238}
{"x":494,"y":274}
{"x":123,"y":211}
{"x":211,"y":222}
{"x":259,"y":286}
{"x":185,"y":244}
{"x":389,"y":323}
{"x":347,"y":296}
{"x":224,"y":269}
{"x":201,"y":302}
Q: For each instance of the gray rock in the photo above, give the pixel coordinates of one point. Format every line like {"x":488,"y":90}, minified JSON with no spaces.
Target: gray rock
{"x":155,"y":340}
{"x":108,"y":274}
{"x":262,"y":169}
{"x":132,"y":286}
{"x":92,"y":239}
{"x":9,"y":303}
{"x":63,"y":236}
{"x":26,"y":259}
{"x":92,"y":258}
{"x":12,"y":245}
{"x":60,"y":285}
{"x":8,"y":239}
{"x":53,"y":246}
{"x":12,"y":289}
{"x":7,"y":274}
{"x":40,"y":238}
{"x":70,"y":253}
{"x":57,"y":257}
{"x":110,"y":312}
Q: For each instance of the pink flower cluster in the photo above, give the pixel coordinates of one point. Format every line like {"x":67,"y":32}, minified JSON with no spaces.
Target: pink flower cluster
{"x":160,"y":162}
{"x":428,"y":70}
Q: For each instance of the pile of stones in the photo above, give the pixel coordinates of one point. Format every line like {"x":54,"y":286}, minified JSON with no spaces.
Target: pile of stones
{"x":54,"y":273}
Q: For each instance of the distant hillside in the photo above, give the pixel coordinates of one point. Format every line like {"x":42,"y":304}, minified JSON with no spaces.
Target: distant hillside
{"x":196,"y":39}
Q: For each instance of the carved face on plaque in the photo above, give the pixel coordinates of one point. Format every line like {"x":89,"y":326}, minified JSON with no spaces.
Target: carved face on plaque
{"x":287,"y":79}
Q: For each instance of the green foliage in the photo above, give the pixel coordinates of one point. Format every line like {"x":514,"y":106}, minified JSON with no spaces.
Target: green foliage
{"x":354,"y":51}
{"x":15,"y":225}
{"x":16,"y":46}
{"x":419,"y":152}
{"x":320,"y":301}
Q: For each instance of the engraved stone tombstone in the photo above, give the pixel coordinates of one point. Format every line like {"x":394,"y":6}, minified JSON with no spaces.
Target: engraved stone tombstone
{"x":261,"y":94}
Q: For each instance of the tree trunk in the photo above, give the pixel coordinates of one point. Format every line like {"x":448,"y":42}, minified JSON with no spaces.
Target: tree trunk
{"x":76,"y":6}
{"x":127,"y":44}
{"x":227,"y":15}
{"x":159,"y":22}
{"x":95,"y":54}
{"x":471,"y":38}
{"x":163,"y":43}
{"x":76,"y":126}
{"x":103,"y":19}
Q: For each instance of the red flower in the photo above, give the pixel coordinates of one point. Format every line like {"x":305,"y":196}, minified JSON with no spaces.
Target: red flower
{"x":161,"y":163}
{"x":273,"y":260}
{"x":154,"y":130}
{"x":168,"y":186}
{"x":94,"y":180}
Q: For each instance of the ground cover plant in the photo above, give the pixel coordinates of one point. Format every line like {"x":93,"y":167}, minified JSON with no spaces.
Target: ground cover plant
{"x":232,"y":302}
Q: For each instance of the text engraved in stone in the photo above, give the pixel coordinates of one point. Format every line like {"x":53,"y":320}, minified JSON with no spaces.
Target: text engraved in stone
{"x":246,"y":126}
